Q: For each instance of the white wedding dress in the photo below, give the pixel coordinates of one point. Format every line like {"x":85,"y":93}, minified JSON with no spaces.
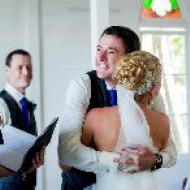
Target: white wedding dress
{"x":134,"y":131}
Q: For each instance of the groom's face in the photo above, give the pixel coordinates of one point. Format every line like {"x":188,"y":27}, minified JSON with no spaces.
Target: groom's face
{"x":109,"y":49}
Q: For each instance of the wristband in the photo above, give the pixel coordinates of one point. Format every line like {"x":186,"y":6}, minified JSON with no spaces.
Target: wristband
{"x":159,"y":161}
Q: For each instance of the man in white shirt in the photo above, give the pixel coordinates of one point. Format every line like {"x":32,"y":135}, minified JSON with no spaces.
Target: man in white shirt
{"x":91,"y":91}
{"x":17,"y":111}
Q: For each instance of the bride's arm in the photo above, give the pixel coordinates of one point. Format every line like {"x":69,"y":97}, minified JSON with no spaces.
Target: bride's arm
{"x":169,"y":153}
{"x":165,"y":128}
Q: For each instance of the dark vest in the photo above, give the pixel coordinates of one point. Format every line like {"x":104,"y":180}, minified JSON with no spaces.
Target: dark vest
{"x":77,"y":179}
{"x":99,"y":94}
{"x":17,"y":121}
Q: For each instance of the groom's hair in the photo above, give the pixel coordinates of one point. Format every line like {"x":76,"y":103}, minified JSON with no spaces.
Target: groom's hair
{"x":129,"y":38}
{"x":16,"y":52}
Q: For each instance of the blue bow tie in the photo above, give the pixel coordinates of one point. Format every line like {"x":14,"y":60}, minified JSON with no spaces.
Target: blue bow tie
{"x":113,"y":97}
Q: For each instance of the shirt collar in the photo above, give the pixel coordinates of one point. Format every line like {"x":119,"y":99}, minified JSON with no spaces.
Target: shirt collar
{"x":13,"y":92}
{"x":110,"y":87}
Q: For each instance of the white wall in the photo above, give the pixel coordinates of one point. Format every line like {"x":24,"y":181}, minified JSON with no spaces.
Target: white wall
{"x":66,"y":53}
{"x":125,"y":13}
{"x":11,"y":30}
{"x":57,"y":33}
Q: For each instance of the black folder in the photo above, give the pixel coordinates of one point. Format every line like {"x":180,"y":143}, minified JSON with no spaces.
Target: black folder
{"x":19,"y":148}
{"x":42,"y":140}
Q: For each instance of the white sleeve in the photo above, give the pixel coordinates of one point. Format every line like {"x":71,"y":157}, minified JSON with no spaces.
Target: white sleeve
{"x":71,"y":151}
{"x":4,"y":113}
{"x":169,"y":153}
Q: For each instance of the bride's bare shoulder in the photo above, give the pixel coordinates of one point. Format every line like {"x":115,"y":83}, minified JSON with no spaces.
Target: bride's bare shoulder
{"x":100,"y":112}
{"x":101,"y":115}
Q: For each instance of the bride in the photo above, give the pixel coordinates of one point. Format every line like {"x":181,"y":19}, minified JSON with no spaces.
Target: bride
{"x":132,"y":123}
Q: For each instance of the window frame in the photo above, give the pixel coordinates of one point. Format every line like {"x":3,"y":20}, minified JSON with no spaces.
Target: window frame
{"x":170,"y":30}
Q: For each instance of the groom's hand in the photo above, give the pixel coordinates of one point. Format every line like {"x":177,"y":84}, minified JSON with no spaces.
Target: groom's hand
{"x":145,"y":159}
{"x":136,"y":159}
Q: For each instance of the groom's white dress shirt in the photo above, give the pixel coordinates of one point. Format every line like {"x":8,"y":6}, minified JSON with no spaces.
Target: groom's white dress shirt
{"x":4,"y":110}
{"x":72,"y":152}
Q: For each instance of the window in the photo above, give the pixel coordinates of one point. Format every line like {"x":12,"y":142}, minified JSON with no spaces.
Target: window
{"x":170,"y":47}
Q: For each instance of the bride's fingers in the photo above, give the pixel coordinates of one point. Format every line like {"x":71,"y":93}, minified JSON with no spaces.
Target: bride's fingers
{"x":134,"y":169}
{"x":124,"y":160}
{"x":128,"y":168}
{"x":127,"y":149}
{"x":133,"y":148}
{"x":119,"y":152}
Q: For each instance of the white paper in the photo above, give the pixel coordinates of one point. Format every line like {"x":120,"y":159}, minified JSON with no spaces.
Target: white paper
{"x":16,"y":145}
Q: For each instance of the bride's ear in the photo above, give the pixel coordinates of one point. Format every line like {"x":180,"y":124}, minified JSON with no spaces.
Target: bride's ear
{"x":151,"y":96}
{"x":155,"y":91}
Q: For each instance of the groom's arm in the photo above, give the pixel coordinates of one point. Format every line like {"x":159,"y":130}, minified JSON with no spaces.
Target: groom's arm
{"x":71,"y":151}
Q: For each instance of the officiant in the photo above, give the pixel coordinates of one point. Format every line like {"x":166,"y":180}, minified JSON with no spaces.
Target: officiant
{"x":16,"y":110}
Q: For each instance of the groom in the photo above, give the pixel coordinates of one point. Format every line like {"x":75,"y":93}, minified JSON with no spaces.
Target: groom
{"x":97,"y":89}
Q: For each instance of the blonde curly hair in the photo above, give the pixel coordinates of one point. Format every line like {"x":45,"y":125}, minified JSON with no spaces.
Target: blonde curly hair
{"x":138,"y":71}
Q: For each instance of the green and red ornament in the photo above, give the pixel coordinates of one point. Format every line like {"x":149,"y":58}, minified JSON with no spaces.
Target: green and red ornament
{"x":168,"y":9}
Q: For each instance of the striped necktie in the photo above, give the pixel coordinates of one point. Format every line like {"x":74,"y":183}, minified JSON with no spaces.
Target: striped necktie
{"x":112,"y":97}
{"x":24,"y":106}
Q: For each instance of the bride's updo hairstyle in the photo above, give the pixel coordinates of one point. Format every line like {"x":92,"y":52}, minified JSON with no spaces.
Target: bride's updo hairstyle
{"x":138,"y":71}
